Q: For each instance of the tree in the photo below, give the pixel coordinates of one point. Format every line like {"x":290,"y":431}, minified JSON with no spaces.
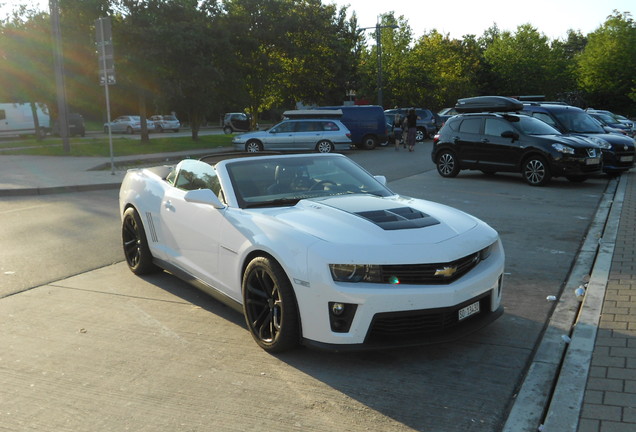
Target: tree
{"x":524,"y":63}
{"x":606,"y":65}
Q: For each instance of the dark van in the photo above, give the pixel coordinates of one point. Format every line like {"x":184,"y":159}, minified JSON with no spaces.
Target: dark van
{"x":366,"y":123}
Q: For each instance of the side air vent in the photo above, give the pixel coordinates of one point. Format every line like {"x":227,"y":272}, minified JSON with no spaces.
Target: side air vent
{"x":399,"y":218}
{"x":151,"y":228}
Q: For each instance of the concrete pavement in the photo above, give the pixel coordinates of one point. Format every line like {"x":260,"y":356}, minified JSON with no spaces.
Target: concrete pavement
{"x":592,"y":361}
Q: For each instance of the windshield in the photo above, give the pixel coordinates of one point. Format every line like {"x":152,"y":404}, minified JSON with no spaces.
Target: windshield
{"x":531,"y":126}
{"x":578,"y":122}
{"x":283,"y":181}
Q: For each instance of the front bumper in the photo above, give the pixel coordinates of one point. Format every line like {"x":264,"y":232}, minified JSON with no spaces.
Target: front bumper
{"x":401,"y":315}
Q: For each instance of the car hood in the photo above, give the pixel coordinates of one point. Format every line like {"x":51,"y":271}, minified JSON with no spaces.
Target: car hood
{"x":372,"y":220}
{"x":248,"y":135}
{"x":570,"y":140}
{"x":613,"y":139}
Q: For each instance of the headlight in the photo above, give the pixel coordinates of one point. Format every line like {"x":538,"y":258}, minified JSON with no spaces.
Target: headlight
{"x":601,"y":143}
{"x":355,"y":273}
{"x":563,"y":148}
{"x":485,"y":252}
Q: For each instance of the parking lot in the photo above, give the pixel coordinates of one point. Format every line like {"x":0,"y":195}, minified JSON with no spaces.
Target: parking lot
{"x":105,"y":350}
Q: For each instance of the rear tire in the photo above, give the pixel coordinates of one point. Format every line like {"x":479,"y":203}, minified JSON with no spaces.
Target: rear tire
{"x":447,"y":164}
{"x":227,"y":130}
{"x":369,"y":142}
{"x":324,"y":146}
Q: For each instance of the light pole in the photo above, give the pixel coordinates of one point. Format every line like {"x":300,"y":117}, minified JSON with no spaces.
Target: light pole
{"x":378,"y":42}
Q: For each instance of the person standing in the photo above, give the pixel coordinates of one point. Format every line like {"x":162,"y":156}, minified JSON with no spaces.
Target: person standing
{"x":397,"y":130}
{"x":411,"y":120}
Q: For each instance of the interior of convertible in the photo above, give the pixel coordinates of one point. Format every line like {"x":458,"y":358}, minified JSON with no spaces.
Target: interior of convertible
{"x":276,"y":181}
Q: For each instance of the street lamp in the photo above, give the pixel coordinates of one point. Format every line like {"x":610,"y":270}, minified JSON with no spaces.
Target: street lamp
{"x":378,"y":42}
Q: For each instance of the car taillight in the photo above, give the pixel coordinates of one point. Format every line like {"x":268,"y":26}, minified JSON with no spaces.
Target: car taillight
{"x":349,"y":135}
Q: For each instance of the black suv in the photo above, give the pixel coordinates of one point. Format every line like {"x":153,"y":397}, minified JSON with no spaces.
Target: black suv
{"x":618,"y":150}
{"x":512,"y":142}
{"x":427,"y":123}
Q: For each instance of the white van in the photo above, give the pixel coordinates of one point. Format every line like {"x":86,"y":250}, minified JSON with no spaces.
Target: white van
{"x":17,"y":119}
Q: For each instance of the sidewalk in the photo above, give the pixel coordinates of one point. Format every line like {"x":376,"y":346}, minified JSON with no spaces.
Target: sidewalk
{"x":596,"y":387}
{"x":38,"y":175}
{"x":609,"y":402}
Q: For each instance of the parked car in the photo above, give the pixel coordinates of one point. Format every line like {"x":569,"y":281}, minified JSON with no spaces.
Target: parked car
{"x":498,"y":139}
{"x":428,"y":123}
{"x":446,"y":113}
{"x":166,"y":122}
{"x":127,"y":124}
{"x":606,"y":126}
{"x":618,"y":151}
{"x":366,"y":123}
{"x":76,"y":125}
{"x":236,"y":122}
{"x":321,"y":135}
{"x":333,"y":260}
{"x":611,"y":121}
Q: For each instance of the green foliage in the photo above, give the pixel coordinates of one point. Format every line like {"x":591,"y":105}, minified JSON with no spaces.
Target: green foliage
{"x":606,"y":66}
{"x":203,"y":58}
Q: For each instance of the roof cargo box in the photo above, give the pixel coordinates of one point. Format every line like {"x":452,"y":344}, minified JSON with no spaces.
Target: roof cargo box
{"x":488,"y":104}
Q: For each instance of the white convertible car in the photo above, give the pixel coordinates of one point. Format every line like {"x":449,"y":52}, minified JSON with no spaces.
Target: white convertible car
{"x":314,"y":250}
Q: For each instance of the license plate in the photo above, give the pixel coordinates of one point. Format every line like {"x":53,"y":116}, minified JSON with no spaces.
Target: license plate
{"x":468,"y":311}
{"x":592,"y":161}
{"x":627,"y":158}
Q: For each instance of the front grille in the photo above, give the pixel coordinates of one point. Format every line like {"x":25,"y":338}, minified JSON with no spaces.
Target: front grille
{"x":429,"y":274}
{"x":412,"y":325}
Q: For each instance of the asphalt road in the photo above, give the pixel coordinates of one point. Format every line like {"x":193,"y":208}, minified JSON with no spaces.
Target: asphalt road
{"x":104,"y":350}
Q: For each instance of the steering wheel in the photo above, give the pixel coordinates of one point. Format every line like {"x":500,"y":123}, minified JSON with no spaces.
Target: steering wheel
{"x":322,"y":184}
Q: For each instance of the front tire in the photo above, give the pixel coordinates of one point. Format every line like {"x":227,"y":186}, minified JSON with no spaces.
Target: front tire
{"x":129,"y":130}
{"x":135,"y":244}
{"x":447,"y":164}
{"x":535,"y":171}
{"x":269,"y":306}
{"x":253,"y":146}
{"x":324,"y":146}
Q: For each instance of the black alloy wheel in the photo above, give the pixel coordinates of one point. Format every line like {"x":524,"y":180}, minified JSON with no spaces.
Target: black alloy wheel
{"x":269,"y":306}
{"x":135,"y":244}
{"x":447,"y":164}
{"x":535,"y":171}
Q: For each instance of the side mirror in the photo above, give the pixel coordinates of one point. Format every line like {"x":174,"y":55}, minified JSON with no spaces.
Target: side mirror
{"x":381,"y":179}
{"x":203,"y":196}
{"x":510,"y":134}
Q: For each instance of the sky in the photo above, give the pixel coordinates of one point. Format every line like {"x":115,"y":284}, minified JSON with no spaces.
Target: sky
{"x":460,"y":17}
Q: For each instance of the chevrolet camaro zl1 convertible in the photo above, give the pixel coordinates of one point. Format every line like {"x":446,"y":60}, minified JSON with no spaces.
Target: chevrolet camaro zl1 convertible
{"x":314,"y":250}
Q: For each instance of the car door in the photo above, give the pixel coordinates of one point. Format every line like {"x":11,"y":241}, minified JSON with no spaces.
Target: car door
{"x":468,"y":141}
{"x":280,"y":137}
{"x":307,"y":134}
{"x":191,"y":230}
{"x":498,"y":152}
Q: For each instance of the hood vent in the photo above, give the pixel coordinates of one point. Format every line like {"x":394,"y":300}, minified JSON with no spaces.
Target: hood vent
{"x":398,"y":218}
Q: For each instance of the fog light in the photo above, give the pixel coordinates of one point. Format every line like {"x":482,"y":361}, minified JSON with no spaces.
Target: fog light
{"x":337,"y":309}
{"x":341,"y":316}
